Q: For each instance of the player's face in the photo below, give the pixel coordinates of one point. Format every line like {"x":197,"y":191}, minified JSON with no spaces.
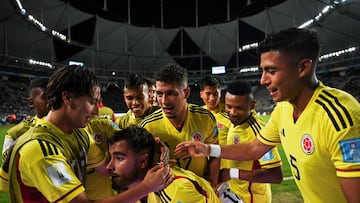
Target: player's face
{"x":152,"y":94}
{"x":211,"y":97}
{"x":279,"y":77}
{"x":238,"y":107}
{"x":82,"y":109}
{"x":171,"y":97}
{"x":137,"y":99}
{"x":123,"y":165}
{"x":38,"y":100}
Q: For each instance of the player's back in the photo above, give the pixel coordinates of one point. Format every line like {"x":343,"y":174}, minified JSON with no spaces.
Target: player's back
{"x":186,"y":188}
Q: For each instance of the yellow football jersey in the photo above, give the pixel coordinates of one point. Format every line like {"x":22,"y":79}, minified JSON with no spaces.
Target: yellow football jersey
{"x":53,"y":164}
{"x":322,"y":145}
{"x":106,"y":112}
{"x":186,"y":188}
{"x":199,"y":125}
{"x":15,"y":132}
{"x":249,"y":191}
{"x":97,"y":185}
{"x":129,"y":118}
{"x":223,"y":123}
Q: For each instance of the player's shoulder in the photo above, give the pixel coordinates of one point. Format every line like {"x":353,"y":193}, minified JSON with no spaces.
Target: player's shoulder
{"x":152,"y":118}
{"x":198,"y":111}
{"x":338,"y":107}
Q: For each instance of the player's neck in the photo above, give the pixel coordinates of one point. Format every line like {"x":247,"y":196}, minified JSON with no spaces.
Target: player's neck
{"x":179,"y":120}
{"x":53,"y":117}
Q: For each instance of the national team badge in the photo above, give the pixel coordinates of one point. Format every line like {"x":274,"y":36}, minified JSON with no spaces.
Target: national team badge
{"x":236,"y":140}
{"x":307,"y":144}
{"x":350,"y":150}
{"x":98,"y":137}
{"x":220,"y":126}
{"x":197,"y":136}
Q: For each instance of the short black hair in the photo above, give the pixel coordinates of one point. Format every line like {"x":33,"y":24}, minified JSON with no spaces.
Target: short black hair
{"x":172,"y":73}
{"x":134,"y":80}
{"x":239,"y":87}
{"x":38,"y":83}
{"x":211,"y":81}
{"x":139,"y":139}
{"x":303,"y":43}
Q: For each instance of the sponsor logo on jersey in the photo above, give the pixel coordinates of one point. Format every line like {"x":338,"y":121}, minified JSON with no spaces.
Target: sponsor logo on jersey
{"x":58,"y":174}
{"x":236,"y":140}
{"x":98,"y":137}
{"x":307,"y":144}
{"x":350,"y":150}
{"x":268,"y":156}
{"x":197,"y":136}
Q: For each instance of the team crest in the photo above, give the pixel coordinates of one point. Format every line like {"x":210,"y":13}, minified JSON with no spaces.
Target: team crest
{"x":307,"y":144}
{"x":98,"y":137}
{"x":236,"y":140}
{"x":197,"y":136}
{"x":220,"y":126}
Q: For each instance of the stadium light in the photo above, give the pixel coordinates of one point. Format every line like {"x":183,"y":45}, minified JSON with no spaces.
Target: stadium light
{"x":40,"y":63}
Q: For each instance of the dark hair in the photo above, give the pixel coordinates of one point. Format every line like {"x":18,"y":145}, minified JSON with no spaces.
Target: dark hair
{"x":74,"y":79}
{"x":239,"y":87}
{"x":211,"y":81}
{"x":139,"y":139}
{"x":172,"y":73}
{"x":302,"y":43}
{"x":149,"y":81}
{"x":134,"y":80}
{"x":38,"y":83}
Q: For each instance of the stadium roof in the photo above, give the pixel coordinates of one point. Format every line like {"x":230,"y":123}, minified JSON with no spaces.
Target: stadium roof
{"x":139,"y":36}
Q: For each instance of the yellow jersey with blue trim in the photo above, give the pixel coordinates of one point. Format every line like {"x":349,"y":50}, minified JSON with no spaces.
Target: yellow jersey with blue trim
{"x":246,"y":132}
{"x":199,"y":125}
{"x":321,"y":145}
{"x":187,"y":187}
{"x":47,"y":165}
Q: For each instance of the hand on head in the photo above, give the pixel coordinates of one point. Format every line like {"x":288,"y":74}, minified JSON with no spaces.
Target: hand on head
{"x":158,"y":178}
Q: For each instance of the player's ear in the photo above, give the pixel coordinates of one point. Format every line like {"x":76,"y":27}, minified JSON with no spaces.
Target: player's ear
{"x":305,"y":67}
{"x":187,"y":92}
{"x":143,"y":161}
{"x":30,"y":102}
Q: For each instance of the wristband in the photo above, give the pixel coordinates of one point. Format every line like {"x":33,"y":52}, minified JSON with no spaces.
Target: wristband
{"x":215,"y":150}
{"x":234,"y":173}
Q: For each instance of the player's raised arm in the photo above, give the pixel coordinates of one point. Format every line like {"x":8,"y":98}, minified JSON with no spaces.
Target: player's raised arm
{"x":241,"y":152}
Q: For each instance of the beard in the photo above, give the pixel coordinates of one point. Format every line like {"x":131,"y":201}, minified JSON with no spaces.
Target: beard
{"x":121,"y":183}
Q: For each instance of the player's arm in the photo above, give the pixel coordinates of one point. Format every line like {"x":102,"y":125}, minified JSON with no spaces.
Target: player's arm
{"x":214,"y":170}
{"x":351,"y":188}
{"x":262,"y":175}
{"x":240,"y":152}
{"x":156,"y":179}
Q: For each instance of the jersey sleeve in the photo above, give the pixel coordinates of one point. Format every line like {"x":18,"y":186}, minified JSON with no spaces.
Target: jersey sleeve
{"x":212,"y":132}
{"x":271,"y":159}
{"x":269,"y":134}
{"x":96,"y":157}
{"x":344,"y":149}
{"x":48,"y":172}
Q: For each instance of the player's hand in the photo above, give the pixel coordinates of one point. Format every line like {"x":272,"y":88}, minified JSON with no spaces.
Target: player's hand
{"x":224,"y":175}
{"x":192,"y":149}
{"x":158,"y":177}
